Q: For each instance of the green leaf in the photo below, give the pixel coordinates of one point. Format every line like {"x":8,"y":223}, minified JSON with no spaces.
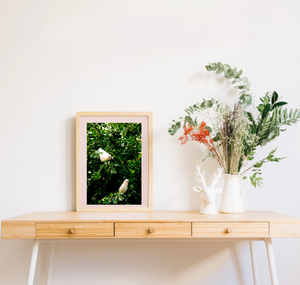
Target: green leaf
{"x":197,"y":105}
{"x":274,"y":97}
{"x":248,"y":99}
{"x":172,"y":130}
{"x":208,"y":128}
{"x":209,"y":103}
{"x":278,"y":104}
{"x":245,"y":80}
{"x":188,"y":119}
{"x":217,"y":137}
{"x":271,"y":136}
{"x":250,"y":116}
{"x":219,"y":71}
{"x":226,"y":67}
{"x":239,"y":87}
{"x":258,"y":164}
{"x":265,"y":110}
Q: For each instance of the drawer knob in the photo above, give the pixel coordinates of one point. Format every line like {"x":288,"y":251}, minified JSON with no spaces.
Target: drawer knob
{"x":151,"y":230}
{"x":229,"y":230}
{"x":72,"y":230}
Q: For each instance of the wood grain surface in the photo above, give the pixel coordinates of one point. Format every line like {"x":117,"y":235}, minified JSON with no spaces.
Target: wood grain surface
{"x":249,"y":224}
{"x":74,"y":230}
{"x":152,"y":230}
{"x":231,"y":230}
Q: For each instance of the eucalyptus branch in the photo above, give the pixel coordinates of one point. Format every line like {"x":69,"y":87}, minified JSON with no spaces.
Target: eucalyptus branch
{"x":191,"y":110}
{"x":232,"y":73}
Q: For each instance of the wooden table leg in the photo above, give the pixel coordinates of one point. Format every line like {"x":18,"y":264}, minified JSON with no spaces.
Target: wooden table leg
{"x":271,"y":260}
{"x":253,"y":262}
{"x":34,"y":255}
{"x":50,"y":264}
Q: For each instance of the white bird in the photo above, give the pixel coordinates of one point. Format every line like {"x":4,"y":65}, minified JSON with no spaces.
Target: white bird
{"x":104,"y":156}
{"x":124,"y":186}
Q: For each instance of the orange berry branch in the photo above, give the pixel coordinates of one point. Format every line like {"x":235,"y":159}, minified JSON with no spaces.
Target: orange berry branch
{"x":202,"y":135}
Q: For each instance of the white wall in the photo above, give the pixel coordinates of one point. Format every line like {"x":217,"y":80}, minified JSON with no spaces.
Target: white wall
{"x":59,"y":57}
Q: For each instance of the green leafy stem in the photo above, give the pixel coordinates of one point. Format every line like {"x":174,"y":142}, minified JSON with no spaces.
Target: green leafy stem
{"x":255,"y":180}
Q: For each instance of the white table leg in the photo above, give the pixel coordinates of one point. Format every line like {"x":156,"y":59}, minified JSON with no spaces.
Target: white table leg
{"x":253,"y":262}
{"x":271,"y":260}
{"x":50,"y":264}
{"x":34,"y":255}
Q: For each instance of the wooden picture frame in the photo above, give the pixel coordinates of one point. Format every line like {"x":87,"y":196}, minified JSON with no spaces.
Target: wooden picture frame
{"x":114,"y":161}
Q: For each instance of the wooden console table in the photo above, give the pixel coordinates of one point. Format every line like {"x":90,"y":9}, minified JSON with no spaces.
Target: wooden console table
{"x":57,"y":226}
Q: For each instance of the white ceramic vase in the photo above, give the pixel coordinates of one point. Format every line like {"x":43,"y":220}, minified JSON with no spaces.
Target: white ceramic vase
{"x":232,"y":198}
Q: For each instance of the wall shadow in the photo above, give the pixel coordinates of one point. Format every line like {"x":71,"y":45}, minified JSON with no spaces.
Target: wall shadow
{"x":71,"y":163}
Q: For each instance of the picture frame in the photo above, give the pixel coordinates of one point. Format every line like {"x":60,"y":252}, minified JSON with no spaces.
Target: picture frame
{"x":114,"y":161}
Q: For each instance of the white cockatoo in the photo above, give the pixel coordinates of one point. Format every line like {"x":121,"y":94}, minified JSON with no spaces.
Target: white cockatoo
{"x":104,"y":156}
{"x":124,"y":186}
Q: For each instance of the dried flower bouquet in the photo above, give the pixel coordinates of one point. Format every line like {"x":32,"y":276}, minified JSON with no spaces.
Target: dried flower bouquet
{"x":231,"y":136}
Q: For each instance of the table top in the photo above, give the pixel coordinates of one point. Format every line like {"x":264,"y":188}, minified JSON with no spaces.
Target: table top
{"x":155,"y":216}
{"x":249,"y":224}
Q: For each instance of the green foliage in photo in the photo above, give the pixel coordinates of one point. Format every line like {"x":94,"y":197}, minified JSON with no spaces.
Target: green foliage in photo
{"x":123,"y":142}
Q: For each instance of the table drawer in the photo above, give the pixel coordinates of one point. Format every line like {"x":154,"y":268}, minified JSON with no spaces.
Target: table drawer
{"x":74,"y":230}
{"x":152,"y":230}
{"x":231,"y":230}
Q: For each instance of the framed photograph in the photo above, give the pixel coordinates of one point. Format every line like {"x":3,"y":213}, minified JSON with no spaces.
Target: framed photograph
{"x":113,"y":161}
